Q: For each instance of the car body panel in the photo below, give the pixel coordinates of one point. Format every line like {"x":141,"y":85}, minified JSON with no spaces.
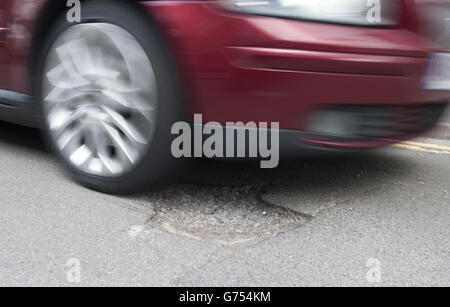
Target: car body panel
{"x":254,"y":68}
{"x":20,"y":16}
{"x":3,"y":36}
{"x":238,"y":67}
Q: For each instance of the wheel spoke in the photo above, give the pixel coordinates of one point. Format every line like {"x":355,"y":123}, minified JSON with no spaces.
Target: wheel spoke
{"x":60,"y":99}
{"x":61,"y":119}
{"x":120,"y":143}
{"x":70,"y":138}
{"x":77,"y":52}
{"x":128,"y":103}
{"x":65,"y":71}
{"x":81,"y":155}
{"x":112,"y":166}
{"x":134,"y":103}
{"x":125,"y":126}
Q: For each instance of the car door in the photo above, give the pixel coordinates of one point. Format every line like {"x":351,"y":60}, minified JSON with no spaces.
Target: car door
{"x":17,"y":19}
{"x":4,"y":6}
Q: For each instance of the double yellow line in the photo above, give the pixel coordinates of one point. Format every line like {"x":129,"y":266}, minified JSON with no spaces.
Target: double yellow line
{"x":431,"y":148}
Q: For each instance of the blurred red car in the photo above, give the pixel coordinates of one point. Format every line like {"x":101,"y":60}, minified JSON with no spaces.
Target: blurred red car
{"x":106,"y":90}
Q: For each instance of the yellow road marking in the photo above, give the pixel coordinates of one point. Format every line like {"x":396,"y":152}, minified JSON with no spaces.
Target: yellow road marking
{"x":428,"y":145}
{"x":431,"y":148}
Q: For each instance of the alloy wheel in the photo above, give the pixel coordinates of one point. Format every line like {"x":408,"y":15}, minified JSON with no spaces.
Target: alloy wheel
{"x":100,"y":98}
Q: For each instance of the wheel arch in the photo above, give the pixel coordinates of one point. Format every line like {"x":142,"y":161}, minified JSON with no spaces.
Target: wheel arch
{"x":48,"y":16}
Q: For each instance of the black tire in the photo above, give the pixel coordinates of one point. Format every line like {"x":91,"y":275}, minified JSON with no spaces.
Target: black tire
{"x":157,"y":166}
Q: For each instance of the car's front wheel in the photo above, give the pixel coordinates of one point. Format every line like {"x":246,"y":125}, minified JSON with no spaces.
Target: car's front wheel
{"x":109,"y":96}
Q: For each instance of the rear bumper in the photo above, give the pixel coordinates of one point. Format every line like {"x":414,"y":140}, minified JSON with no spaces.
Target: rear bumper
{"x":246,"y":68}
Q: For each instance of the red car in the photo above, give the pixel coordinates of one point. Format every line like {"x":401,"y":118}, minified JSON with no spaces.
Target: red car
{"x":107,"y":88}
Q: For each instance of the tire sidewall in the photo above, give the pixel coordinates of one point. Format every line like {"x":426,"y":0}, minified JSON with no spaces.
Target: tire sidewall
{"x":157,"y":165}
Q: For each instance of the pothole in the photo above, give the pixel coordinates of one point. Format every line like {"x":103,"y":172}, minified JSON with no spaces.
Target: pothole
{"x":222,"y":215}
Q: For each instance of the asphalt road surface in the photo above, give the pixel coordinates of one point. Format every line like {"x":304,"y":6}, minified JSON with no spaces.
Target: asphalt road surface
{"x":324,"y":221}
